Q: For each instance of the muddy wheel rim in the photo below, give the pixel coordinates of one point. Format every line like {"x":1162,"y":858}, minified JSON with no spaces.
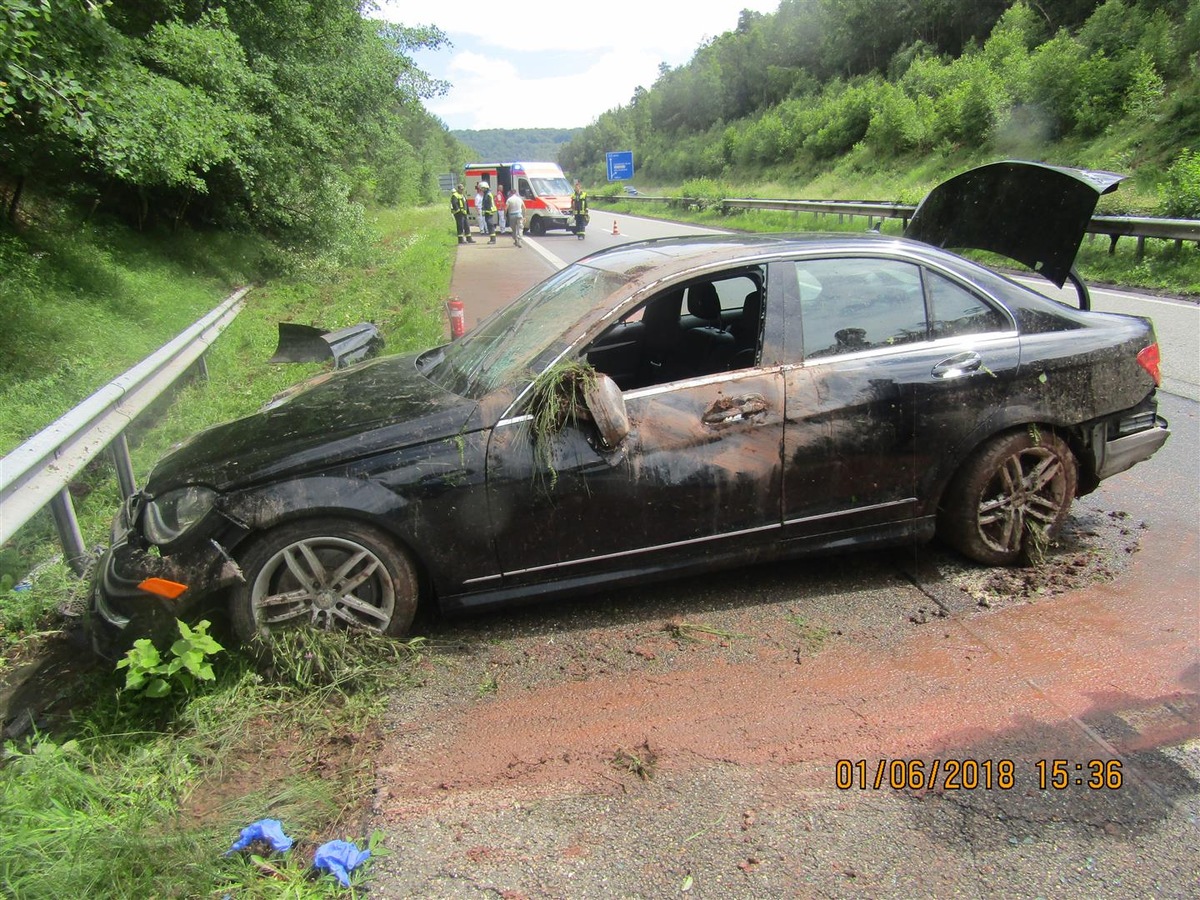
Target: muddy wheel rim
{"x":323,"y":582}
{"x":1026,"y":494}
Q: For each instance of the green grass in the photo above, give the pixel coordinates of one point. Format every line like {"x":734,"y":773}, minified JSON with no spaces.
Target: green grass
{"x":399,"y":282}
{"x":81,"y":303}
{"x":139,"y":798}
{"x":133,"y":799}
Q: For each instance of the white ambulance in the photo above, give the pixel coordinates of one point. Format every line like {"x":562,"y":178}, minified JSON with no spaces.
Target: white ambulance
{"x":543,"y":185}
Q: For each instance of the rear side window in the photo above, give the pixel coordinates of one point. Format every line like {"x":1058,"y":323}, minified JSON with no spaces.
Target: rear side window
{"x":956,"y":311}
{"x":849,"y":305}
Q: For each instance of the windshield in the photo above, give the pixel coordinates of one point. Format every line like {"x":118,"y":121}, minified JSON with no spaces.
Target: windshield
{"x":520,"y":340}
{"x":551,"y":187}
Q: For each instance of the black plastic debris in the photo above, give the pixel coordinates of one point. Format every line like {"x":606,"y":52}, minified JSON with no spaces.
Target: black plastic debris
{"x":305,"y":343}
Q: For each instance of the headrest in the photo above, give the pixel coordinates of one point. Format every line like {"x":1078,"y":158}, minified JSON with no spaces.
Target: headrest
{"x":703,"y":302}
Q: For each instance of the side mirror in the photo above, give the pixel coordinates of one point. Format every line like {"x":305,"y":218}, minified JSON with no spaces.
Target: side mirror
{"x":607,"y":407}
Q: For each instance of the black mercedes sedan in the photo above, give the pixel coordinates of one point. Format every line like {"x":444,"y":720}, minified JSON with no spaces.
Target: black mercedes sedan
{"x":660,"y":408}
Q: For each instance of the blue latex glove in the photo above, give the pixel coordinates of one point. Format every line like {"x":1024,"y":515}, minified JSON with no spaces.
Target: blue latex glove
{"x":341,"y":858}
{"x":269,"y":831}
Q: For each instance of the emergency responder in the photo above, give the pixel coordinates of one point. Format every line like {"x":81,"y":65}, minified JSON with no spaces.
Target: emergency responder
{"x":458,"y":207}
{"x":579,"y":206}
{"x":488,"y":208}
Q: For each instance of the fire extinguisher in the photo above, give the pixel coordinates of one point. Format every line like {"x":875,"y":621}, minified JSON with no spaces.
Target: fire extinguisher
{"x":457,"y":317}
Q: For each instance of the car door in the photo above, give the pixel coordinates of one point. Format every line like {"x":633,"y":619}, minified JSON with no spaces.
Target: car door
{"x":698,"y":477}
{"x":900,"y":365}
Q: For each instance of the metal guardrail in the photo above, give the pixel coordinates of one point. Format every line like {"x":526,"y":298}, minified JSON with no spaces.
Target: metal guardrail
{"x":1114,"y":227}
{"x":37,"y":473}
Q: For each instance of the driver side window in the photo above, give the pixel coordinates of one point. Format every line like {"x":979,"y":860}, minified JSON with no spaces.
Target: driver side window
{"x":709,"y":326}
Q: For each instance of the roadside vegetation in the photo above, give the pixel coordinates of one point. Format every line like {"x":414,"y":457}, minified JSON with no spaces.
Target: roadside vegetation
{"x":865,"y":89}
{"x":855,"y":101}
{"x":136,"y":790}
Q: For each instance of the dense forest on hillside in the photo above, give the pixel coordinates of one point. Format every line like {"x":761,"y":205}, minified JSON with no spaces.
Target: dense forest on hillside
{"x":277,"y":115}
{"x":511,"y":144}
{"x":881,"y":80}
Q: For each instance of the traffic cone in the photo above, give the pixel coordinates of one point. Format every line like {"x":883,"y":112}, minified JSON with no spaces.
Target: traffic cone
{"x":615,"y":231}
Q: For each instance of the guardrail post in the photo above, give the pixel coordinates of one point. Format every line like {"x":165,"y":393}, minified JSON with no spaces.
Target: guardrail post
{"x":1141,"y":249}
{"x":124,"y":465}
{"x":69,"y":536}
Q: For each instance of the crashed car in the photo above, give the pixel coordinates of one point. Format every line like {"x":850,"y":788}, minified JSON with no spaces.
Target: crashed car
{"x":666,"y":407}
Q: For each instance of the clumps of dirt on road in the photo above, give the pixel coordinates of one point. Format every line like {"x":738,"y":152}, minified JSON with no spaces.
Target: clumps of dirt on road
{"x":1094,"y":547}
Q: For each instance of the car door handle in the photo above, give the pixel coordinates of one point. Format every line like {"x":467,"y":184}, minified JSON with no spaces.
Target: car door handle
{"x":734,"y":409}
{"x":958,"y":365}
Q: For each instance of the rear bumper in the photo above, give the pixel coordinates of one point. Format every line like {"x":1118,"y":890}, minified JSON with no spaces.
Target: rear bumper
{"x":1117,"y":454}
{"x":1122,"y":440}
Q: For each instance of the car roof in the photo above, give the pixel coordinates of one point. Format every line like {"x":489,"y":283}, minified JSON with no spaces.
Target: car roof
{"x":664,"y":258}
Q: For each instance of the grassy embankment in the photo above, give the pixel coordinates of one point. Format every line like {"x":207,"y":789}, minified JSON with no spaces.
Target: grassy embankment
{"x":132,"y":797}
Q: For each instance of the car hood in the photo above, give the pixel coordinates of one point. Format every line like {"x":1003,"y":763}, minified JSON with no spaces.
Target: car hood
{"x":1031,"y":212}
{"x":338,"y":416}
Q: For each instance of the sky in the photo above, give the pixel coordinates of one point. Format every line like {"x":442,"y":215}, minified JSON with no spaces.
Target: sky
{"x":537,"y":64}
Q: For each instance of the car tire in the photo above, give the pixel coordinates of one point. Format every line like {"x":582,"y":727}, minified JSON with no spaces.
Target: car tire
{"x":324,"y":574}
{"x":536,"y":226}
{"x":1016,"y":485}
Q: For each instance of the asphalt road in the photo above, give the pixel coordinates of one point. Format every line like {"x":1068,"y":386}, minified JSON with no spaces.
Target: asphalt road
{"x":685,"y":740}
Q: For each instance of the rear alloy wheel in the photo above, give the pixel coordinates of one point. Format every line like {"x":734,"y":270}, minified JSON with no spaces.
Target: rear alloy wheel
{"x":1011,"y":498}
{"x":325,"y":575}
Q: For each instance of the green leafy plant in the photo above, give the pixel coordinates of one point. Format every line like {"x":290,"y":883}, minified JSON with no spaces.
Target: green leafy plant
{"x":149,"y":675}
{"x":1180,"y":192}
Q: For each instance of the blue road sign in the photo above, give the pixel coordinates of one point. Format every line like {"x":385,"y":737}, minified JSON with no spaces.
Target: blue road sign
{"x":620,"y":165}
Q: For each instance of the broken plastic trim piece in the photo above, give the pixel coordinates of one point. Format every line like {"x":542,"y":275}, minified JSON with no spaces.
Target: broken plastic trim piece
{"x":304,"y":343}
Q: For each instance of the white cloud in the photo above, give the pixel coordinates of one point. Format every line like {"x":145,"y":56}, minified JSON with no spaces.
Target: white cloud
{"x":532,"y":69}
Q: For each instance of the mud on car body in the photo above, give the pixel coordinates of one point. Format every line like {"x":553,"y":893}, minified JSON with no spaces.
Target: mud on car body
{"x":725,"y":399}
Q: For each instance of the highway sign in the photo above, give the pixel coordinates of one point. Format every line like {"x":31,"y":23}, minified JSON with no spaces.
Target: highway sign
{"x":620,"y":165}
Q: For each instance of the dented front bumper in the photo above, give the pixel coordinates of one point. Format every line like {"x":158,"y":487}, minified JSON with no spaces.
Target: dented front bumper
{"x":124,"y":606}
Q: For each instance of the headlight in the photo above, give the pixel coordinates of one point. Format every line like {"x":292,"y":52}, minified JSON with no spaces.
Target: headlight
{"x":167,"y":517}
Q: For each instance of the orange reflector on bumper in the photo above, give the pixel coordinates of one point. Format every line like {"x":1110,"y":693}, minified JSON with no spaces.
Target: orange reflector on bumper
{"x":163,"y":588}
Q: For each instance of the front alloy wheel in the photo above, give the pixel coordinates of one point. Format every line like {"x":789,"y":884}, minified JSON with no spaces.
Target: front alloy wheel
{"x":1011,"y":498}
{"x":325,"y":575}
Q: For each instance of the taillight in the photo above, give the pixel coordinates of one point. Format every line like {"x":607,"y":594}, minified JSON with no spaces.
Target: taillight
{"x":1151,"y":360}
